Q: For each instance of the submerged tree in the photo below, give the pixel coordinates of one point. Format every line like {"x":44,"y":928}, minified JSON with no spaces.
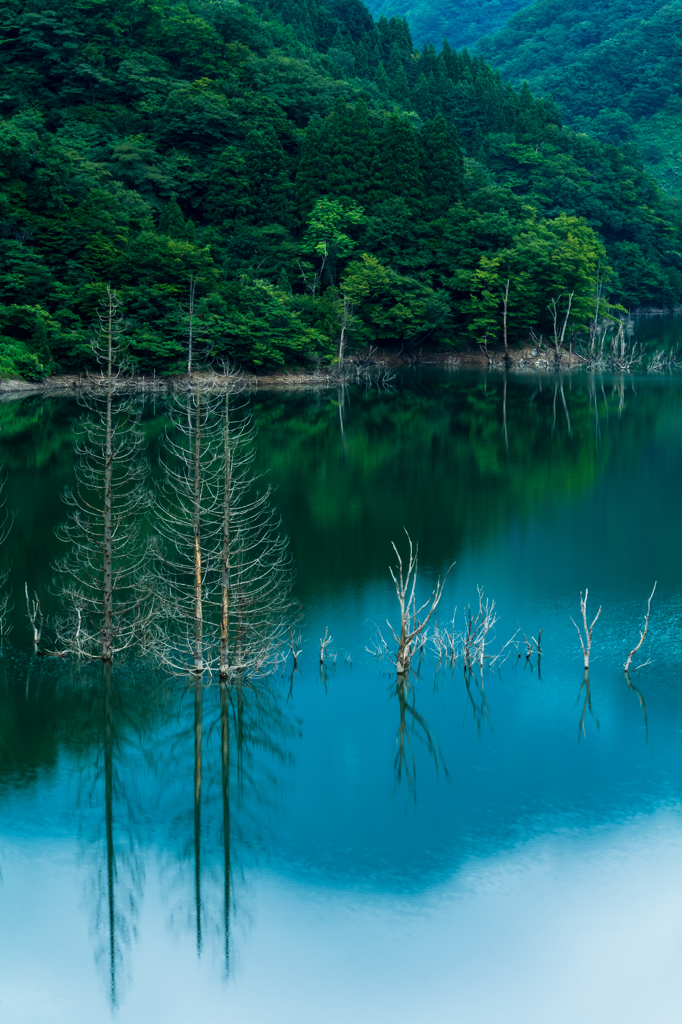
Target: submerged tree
{"x":185,"y":518}
{"x":225,"y":574}
{"x":102,"y":581}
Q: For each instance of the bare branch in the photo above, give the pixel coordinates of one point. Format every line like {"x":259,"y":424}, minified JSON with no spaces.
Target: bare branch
{"x":642,"y":633}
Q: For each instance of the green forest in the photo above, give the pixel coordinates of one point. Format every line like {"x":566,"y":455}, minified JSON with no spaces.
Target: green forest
{"x":614,"y":70}
{"x":274,"y":172}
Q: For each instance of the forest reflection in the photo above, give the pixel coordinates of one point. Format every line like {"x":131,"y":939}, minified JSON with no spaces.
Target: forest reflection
{"x":483,"y":447}
{"x":145,"y":746}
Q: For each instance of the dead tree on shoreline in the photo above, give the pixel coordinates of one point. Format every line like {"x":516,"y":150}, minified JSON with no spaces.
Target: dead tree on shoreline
{"x":559,"y":328}
{"x":102,"y":581}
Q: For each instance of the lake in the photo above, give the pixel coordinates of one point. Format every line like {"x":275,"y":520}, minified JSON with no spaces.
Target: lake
{"x":327,"y":846}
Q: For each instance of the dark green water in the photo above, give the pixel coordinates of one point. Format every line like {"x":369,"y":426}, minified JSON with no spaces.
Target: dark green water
{"x":509,"y":868}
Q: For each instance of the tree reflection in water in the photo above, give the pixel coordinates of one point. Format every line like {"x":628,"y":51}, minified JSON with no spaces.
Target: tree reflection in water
{"x":238,"y":735}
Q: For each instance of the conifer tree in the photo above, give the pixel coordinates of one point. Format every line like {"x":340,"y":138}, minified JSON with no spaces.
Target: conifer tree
{"x":227,"y":197}
{"x":308,"y":30}
{"x":384,"y":37}
{"x":400,"y":88}
{"x":382,"y":80}
{"x":442,"y":76}
{"x":269,"y":181}
{"x":421,"y":98}
{"x":403,"y":36}
{"x":311,"y":176}
{"x":442,"y":165}
{"x":171,"y":221}
{"x":399,"y":170}
{"x":428,"y":60}
{"x":364,"y":148}
{"x":362,"y":63}
{"x":341,"y":177}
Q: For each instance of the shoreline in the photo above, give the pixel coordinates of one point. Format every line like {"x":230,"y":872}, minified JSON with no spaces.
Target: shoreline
{"x":294,"y":378}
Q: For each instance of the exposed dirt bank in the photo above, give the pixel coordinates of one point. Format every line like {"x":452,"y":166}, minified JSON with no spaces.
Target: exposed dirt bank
{"x":527,"y":359}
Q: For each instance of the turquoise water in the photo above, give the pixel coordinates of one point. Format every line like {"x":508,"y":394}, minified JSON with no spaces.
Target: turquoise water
{"x":504,"y":864}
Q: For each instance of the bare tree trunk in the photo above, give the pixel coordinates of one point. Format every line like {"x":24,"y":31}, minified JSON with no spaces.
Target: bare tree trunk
{"x":239,"y":655}
{"x":346,"y":320}
{"x":566,"y":318}
{"x":35,"y":617}
{"x":642,"y":633}
{"x":198,"y":581}
{"x":325,"y":641}
{"x":504,"y":322}
{"x":225,"y":555}
{"x":107,"y":584}
{"x":586,"y":642}
{"x":412,"y":627}
{"x":192,"y":289}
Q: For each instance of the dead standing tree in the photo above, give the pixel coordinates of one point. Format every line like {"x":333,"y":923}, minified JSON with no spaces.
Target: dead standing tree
{"x":412,"y":635}
{"x":642,"y":635}
{"x":227,"y":577}
{"x":586,"y":641}
{"x":256,"y":572}
{"x":185,"y":514}
{"x":586,"y":646}
{"x":558,"y":327}
{"x":102,"y":581}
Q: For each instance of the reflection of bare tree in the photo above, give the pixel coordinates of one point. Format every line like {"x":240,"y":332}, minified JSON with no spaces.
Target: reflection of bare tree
{"x":118,"y":884}
{"x":587,"y":704}
{"x":225,"y":794}
{"x":642,"y":703}
{"x":234,"y":790}
{"x":411,"y":724}
{"x":478,"y":701}
{"x":198,"y":739}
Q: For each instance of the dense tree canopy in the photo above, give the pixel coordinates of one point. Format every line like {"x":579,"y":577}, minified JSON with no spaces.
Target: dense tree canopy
{"x":614,"y":70}
{"x":286,"y":155}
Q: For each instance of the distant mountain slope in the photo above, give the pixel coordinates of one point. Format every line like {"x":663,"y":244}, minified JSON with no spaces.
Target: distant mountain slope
{"x":463,"y":22}
{"x":614,"y":69}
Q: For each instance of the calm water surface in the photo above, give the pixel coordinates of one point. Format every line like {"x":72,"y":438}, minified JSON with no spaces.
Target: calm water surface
{"x":499,"y":866}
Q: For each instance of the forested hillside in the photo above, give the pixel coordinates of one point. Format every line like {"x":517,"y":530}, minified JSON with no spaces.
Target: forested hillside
{"x":462,"y":22}
{"x":305,"y":167}
{"x":613,"y":69}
